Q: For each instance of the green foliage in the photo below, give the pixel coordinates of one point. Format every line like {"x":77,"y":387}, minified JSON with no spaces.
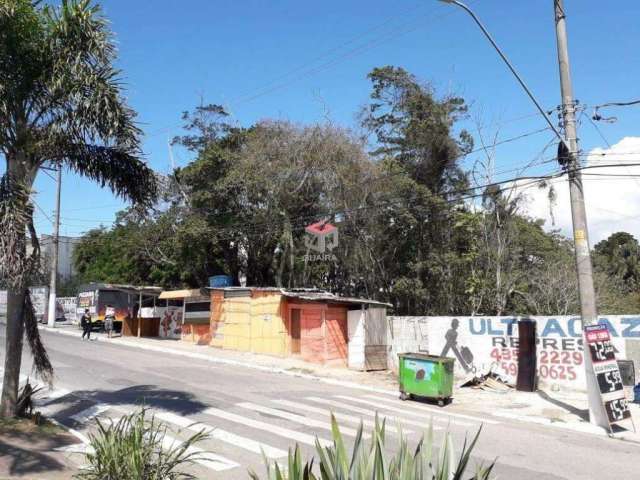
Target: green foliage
{"x":136,"y":448}
{"x":619,"y":257}
{"x":371,"y":461}
{"x":61,"y":103}
{"x":408,"y":233}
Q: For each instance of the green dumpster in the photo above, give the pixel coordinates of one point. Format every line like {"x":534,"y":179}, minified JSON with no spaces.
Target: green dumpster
{"x":425,"y":376}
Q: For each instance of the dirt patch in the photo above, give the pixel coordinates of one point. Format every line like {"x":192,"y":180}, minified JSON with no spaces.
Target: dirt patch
{"x":28,"y":450}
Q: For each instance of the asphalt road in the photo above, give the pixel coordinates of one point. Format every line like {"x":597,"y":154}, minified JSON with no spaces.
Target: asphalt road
{"x":252,"y":410}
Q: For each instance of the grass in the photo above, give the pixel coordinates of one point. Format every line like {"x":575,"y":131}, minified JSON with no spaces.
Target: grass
{"x":22,"y":426}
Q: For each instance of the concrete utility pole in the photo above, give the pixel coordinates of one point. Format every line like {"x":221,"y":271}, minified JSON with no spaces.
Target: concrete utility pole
{"x":578,"y":213}
{"x":53,"y":284}
{"x":570,"y":142}
{"x":597,"y":414}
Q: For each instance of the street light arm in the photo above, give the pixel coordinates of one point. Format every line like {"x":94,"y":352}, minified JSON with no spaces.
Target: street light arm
{"x":513,"y":70}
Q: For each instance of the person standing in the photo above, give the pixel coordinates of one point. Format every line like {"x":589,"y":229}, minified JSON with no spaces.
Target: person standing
{"x":85,"y":323}
{"x":109,"y":317}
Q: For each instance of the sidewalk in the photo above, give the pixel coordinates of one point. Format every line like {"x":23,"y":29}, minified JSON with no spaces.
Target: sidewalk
{"x":565,"y":409}
{"x":28,"y":451}
{"x":380,"y":382}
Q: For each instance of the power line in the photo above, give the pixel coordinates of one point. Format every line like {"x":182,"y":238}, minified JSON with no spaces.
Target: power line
{"x":42,"y":211}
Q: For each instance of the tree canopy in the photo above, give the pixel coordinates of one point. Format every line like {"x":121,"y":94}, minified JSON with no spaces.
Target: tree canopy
{"x":409,"y":231}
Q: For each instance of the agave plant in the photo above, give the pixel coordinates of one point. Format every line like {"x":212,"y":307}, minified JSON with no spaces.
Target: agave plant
{"x":369,"y":461}
{"x":136,"y":448}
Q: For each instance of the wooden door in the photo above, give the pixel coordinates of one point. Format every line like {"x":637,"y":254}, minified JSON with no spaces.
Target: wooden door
{"x":295,"y":330}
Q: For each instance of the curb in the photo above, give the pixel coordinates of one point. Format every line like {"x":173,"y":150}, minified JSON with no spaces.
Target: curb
{"x":334,"y":382}
{"x":235,"y":363}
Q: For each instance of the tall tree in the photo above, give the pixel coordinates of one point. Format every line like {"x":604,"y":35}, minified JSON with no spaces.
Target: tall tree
{"x":619,"y":257}
{"x":60,"y":103}
{"x":413,"y":132}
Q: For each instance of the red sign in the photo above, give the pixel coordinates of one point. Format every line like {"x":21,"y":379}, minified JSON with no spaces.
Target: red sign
{"x":607,"y":372}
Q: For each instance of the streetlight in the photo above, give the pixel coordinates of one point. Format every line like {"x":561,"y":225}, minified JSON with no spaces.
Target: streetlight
{"x":597,"y":413}
{"x":506,"y":60}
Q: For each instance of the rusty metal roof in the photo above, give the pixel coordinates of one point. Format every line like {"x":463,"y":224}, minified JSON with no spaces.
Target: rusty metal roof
{"x":308,"y":294}
{"x":324,"y":296}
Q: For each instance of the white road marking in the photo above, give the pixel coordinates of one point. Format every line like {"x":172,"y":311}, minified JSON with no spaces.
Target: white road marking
{"x":372,"y":413}
{"x":578,"y":427}
{"x":433,"y":410}
{"x":404,"y":411}
{"x":310,"y":422}
{"x":274,"y":429}
{"x":51,"y":396}
{"x":222,"y":435}
{"x":343,"y":417}
{"x":212,"y":461}
{"x":89,"y":413}
{"x":75,"y":448}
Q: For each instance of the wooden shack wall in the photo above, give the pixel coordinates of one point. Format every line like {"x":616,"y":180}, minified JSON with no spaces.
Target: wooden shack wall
{"x":268,"y":330}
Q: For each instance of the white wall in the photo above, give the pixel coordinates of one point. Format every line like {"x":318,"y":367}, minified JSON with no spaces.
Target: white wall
{"x":368,"y":339}
{"x":406,"y":334}
{"x":493,"y":342}
{"x":66,"y":247}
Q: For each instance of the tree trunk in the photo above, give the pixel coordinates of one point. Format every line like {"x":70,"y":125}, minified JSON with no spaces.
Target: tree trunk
{"x":13,"y":352}
{"x":23,"y":171}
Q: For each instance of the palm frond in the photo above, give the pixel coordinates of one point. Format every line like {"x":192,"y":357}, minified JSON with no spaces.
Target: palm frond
{"x":125,"y":174}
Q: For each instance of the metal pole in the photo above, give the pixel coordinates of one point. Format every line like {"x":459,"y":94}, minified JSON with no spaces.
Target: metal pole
{"x":597,"y":415}
{"x":54,"y":256}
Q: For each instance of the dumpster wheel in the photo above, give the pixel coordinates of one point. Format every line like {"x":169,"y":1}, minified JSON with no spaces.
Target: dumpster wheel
{"x":405,"y":396}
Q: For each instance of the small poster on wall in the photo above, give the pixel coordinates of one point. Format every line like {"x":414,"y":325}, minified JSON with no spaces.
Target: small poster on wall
{"x":607,"y":372}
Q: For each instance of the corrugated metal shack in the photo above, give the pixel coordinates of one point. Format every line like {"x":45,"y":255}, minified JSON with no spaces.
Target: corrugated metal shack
{"x":310,"y":324}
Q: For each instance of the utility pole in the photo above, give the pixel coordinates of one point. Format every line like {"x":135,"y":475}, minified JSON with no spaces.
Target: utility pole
{"x":568,"y":145}
{"x":53,"y":283}
{"x":597,"y":414}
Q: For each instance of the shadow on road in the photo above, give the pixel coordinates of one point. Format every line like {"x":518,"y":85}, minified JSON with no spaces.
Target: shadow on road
{"x":175,"y":401}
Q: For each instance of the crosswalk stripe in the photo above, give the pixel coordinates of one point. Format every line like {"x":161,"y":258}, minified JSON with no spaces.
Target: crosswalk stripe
{"x":433,"y":410}
{"x":222,"y":435}
{"x":274,"y":429}
{"x":210,"y":460}
{"x":339,"y":416}
{"x":405,"y":411}
{"x":51,"y":396}
{"x":372,"y":413}
{"x":89,"y":413}
{"x":297,"y":418}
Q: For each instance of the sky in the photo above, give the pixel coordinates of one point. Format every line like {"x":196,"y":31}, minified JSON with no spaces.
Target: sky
{"x":308,"y":61}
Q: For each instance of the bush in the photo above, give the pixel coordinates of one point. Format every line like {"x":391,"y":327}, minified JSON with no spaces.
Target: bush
{"x":370,"y":461}
{"x":135,"y":448}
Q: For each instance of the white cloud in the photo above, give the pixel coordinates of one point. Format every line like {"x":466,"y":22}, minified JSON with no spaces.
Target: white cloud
{"x":612,"y":202}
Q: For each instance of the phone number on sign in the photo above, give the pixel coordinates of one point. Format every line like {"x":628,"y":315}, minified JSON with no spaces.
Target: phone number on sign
{"x":552,"y":365}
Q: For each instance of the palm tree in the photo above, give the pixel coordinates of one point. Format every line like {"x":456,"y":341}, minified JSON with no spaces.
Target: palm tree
{"x":61,"y":104}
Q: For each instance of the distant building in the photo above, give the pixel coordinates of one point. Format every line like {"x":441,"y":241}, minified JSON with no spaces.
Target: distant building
{"x":65,"y":254}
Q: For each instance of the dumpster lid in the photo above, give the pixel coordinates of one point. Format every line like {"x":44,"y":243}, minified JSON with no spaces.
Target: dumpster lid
{"x":425,"y":356}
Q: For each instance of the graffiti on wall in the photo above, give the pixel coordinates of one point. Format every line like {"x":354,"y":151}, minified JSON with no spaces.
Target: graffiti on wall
{"x":171,"y":323}
{"x":482,"y":343}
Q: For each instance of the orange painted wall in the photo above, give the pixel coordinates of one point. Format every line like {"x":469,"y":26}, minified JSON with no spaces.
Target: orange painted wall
{"x":312,"y":347}
{"x":217,"y":321}
{"x":323,"y":333}
{"x":199,"y":333}
{"x":336,"y":335}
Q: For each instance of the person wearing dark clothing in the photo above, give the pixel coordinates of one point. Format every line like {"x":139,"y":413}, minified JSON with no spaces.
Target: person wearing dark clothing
{"x":85,"y":323}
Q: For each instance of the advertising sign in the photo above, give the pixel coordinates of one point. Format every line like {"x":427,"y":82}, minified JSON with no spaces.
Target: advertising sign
{"x":607,"y":372}
{"x":86,"y":300}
